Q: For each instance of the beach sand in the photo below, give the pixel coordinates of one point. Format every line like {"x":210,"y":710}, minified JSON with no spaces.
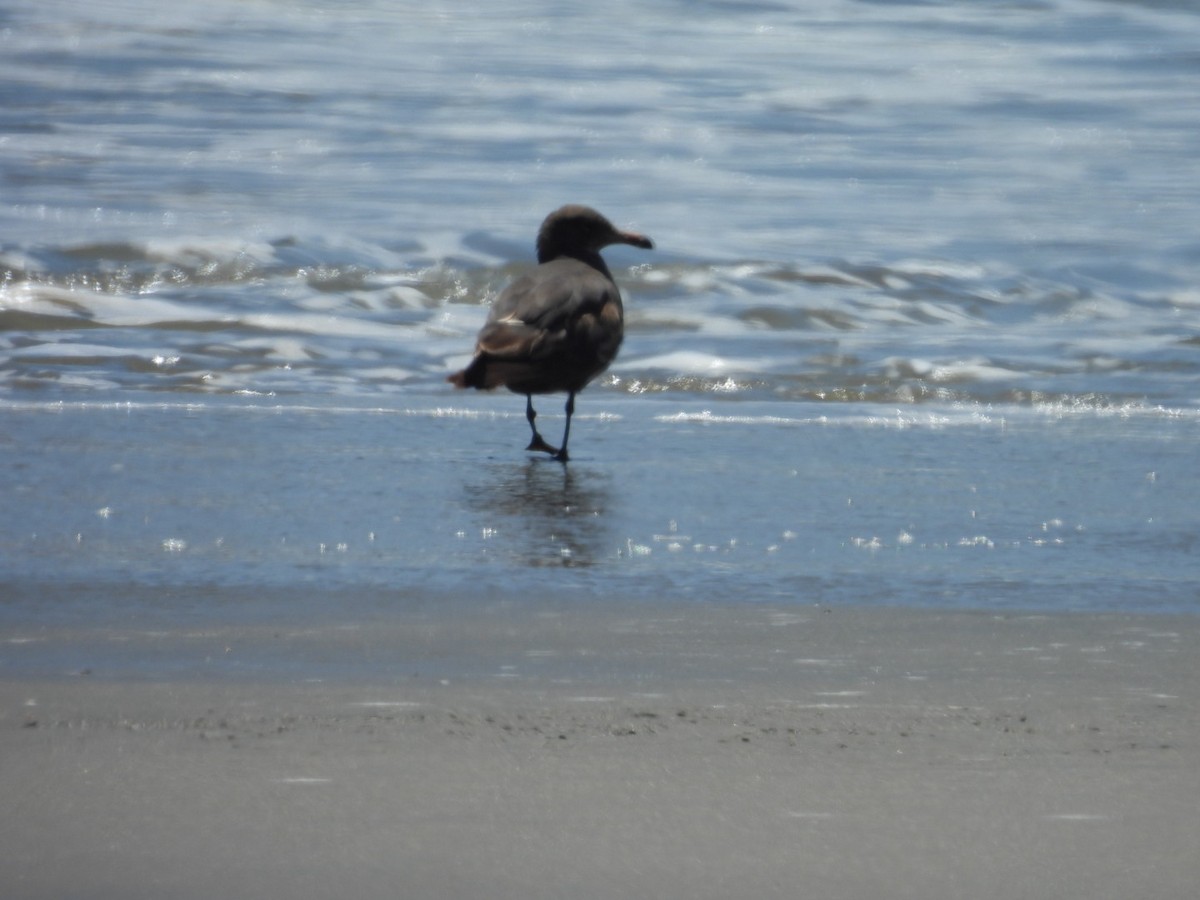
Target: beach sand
{"x":669,"y":750}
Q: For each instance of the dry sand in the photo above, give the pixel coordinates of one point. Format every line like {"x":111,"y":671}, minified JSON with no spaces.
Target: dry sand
{"x":685,"y":752}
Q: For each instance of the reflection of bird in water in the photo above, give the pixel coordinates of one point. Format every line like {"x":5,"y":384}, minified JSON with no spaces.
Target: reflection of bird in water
{"x":558,"y":514}
{"x":558,"y":327}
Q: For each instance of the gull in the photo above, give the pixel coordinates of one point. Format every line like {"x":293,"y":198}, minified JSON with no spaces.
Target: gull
{"x":558,"y":327}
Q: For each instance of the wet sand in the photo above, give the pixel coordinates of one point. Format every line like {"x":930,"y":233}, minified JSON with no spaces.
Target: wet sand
{"x":690,"y":751}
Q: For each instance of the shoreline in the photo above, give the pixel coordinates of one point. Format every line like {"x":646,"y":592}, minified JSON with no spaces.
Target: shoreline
{"x":676,"y":752}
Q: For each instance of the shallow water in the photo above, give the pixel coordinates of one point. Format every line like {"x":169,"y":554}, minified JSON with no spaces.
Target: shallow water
{"x":921,"y":326}
{"x":768,"y":501}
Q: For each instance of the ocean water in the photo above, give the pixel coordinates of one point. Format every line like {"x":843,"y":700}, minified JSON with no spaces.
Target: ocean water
{"x":922,"y":324}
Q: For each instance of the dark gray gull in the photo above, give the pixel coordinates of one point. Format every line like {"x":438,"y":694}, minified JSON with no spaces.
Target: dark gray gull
{"x":558,"y":327}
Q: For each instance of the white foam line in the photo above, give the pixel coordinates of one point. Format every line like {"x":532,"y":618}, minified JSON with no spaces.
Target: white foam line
{"x":810,"y":661}
{"x":375,"y":704}
{"x":430,"y":412}
{"x":1077,"y":817}
{"x":302,"y":780}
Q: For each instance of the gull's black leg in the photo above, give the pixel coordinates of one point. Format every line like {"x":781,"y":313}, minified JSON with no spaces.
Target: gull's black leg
{"x":537,"y":442}
{"x":561,"y":455}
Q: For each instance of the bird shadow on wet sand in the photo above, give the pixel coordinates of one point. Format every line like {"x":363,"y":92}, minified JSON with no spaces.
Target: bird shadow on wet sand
{"x":539,"y":512}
